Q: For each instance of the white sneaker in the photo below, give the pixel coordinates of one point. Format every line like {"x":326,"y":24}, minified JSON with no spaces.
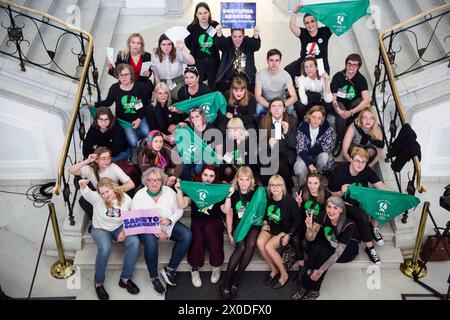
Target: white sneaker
{"x":196,"y":280}
{"x":215,"y":275}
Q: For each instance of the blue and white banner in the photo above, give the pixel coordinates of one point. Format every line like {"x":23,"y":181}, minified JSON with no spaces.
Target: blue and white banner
{"x":238,"y":15}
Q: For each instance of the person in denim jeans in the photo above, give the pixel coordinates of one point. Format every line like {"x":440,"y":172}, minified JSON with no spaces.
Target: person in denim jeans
{"x":109,"y":203}
{"x":156,"y":195}
{"x":131,"y":100}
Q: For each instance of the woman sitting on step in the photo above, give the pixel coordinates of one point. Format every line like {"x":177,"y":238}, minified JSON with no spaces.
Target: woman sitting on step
{"x":207,"y":230}
{"x":155,"y":153}
{"x":235,"y":205}
{"x":156,"y":195}
{"x":311,"y":197}
{"x":364,"y":132}
{"x":96,"y":166}
{"x":109,"y":204}
{"x":335,"y":240}
{"x":281,"y":221}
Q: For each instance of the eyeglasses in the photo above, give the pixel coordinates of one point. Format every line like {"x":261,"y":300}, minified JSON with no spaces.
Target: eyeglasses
{"x":103,"y":119}
{"x":353,"y":65}
{"x":359,"y":161}
{"x":154,"y":180}
{"x":123,"y":75}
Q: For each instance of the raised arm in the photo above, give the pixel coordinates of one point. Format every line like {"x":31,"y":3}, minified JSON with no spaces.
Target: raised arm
{"x":293,"y":21}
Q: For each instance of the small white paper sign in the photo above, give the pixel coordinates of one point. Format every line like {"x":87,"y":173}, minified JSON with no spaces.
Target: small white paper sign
{"x":278,"y":130}
{"x":110,"y":54}
{"x":176,"y":34}
{"x":211,"y":31}
{"x":320,"y":66}
{"x":145,"y":67}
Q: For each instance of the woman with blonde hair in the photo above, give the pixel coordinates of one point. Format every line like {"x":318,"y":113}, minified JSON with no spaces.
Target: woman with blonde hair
{"x":236,"y":149}
{"x":366,"y":133}
{"x":109,"y":203}
{"x":234,"y":208}
{"x":135,"y":55}
{"x":281,"y":221}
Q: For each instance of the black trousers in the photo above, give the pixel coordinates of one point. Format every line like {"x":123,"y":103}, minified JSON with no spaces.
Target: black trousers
{"x":314,"y":98}
{"x":284,"y":170}
{"x":321,"y":251}
{"x":341,"y":124}
{"x":207,"y":70}
{"x":362,"y":221}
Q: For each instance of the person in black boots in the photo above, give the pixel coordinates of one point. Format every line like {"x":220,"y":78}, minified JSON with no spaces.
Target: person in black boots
{"x":335,"y":240}
{"x":358,"y":172}
{"x":201,"y":43}
{"x":350,"y":96}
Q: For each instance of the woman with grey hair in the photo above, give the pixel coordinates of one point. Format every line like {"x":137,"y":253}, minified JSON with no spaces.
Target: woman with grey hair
{"x":156,"y":195}
{"x":335,"y":239}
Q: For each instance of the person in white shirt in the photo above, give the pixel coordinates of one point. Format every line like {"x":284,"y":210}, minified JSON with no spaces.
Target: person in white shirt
{"x":156,"y":195}
{"x":272,"y":82}
{"x":313,"y":89}
{"x":109,"y":204}
{"x":314,"y":142}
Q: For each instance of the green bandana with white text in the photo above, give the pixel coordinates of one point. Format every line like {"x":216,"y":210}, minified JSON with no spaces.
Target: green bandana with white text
{"x":205,"y":194}
{"x":211,"y":103}
{"x":338,"y":16}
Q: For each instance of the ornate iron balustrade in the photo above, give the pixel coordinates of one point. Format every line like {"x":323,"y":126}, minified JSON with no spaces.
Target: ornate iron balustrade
{"x":385,"y":96}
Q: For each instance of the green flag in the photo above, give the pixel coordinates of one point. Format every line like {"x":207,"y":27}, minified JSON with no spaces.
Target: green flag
{"x":382,"y":205}
{"x":205,"y":194}
{"x":211,"y":103}
{"x":253,"y":215}
{"x":338,"y":16}
{"x":192,"y":148}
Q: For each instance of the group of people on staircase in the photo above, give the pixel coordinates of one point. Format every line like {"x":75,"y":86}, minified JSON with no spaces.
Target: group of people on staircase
{"x":290,"y":107}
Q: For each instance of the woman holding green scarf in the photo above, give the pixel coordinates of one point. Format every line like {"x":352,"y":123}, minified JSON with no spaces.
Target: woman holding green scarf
{"x":235,"y":206}
{"x":156,"y":195}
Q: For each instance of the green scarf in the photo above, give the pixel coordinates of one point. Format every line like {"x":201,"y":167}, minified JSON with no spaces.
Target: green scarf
{"x":192,"y":148}
{"x":205,"y":194}
{"x":338,"y":16}
{"x":382,"y":205}
{"x":253,"y":215}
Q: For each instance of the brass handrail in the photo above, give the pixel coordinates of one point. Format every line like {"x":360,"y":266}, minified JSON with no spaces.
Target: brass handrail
{"x":73,"y":118}
{"x":391,"y":78}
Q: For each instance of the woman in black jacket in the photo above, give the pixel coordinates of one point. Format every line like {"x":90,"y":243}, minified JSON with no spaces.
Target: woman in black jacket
{"x":105,"y":132}
{"x":135,"y":55}
{"x":281,"y":221}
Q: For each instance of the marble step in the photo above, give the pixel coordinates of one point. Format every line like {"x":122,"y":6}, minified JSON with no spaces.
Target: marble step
{"x":85,"y":259}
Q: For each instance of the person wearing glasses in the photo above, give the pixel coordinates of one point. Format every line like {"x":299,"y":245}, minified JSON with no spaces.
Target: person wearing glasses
{"x":313,"y":41}
{"x":167,"y":63}
{"x":334,"y":239}
{"x":281,"y":221}
{"x":201,"y":42}
{"x":193,"y":87}
{"x":207,"y":229}
{"x":109,"y":203}
{"x":314,"y":142}
{"x":135,"y":55}
{"x":131,"y":100}
{"x":356,"y":171}
{"x":364,"y":132}
{"x":350,"y":96}
{"x":106,"y":132}
{"x":279,"y":133}
{"x":156,"y":195}
{"x":238,"y":57}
